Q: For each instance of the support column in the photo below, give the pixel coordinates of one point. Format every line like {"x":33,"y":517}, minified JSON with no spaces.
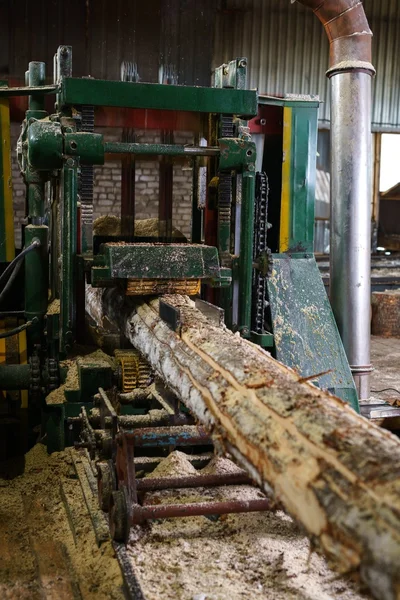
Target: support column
{"x":350,"y":277}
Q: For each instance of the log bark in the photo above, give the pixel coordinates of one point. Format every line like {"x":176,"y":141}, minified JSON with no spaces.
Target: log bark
{"x":334,"y":472}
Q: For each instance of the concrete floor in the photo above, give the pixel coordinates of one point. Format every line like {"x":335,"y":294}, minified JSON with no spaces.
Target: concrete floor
{"x":385,"y":357}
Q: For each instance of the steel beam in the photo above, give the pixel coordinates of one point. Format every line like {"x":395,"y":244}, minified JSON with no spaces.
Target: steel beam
{"x":156,"y":96}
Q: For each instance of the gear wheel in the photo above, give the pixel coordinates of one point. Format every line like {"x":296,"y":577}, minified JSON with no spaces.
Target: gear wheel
{"x":134,"y":371}
{"x":145,"y":374}
{"x":145,"y":287}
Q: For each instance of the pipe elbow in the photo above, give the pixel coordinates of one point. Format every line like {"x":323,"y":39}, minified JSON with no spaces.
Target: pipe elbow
{"x":349,"y":35}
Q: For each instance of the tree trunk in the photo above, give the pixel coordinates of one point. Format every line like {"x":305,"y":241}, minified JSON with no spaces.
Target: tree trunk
{"x":332,"y":470}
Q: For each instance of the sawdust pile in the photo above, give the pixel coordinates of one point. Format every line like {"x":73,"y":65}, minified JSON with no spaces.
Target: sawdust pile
{"x":107,"y":225}
{"x":97,"y":357}
{"x":54,"y":308}
{"x":220,"y":466}
{"x":41,"y":556}
{"x":176,"y":463}
{"x":237,"y":557}
{"x":111,"y":225}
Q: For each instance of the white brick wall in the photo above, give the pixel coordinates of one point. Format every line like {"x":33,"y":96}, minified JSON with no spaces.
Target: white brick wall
{"x":107,"y":183}
{"x":107,"y":195}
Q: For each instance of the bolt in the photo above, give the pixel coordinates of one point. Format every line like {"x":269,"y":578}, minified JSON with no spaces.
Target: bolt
{"x":70,"y":162}
{"x":64,"y":51}
{"x":242,"y":62}
{"x":263,"y":121}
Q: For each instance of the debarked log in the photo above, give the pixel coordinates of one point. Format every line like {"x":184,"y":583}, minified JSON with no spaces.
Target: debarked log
{"x":336,"y":473}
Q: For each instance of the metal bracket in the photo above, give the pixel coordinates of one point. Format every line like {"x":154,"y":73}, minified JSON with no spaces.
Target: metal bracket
{"x":107,"y":410}
{"x":237,"y":154}
{"x":214,"y":313}
{"x":381,"y":410}
{"x":232,"y":75}
{"x":171,"y":316}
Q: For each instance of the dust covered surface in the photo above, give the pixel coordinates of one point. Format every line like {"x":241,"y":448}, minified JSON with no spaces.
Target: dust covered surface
{"x":237,"y":557}
{"x":332,"y":470}
{"x":108,"y":225}
{"x":48,"y":547}
{"x":98,"y":358}
{"x":54,"y":308}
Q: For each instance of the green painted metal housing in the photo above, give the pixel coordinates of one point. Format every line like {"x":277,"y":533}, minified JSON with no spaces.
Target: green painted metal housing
{"x":99,"y":92}
{"x":303,"y":177}
{"x":154,"y":261}
{"x":305,"y":332}
{"x":303,"y":329}
{"x":7,"y":247}
{"x":306,"y":337}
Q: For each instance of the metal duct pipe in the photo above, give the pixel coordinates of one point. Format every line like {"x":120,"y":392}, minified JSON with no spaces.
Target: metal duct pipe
{"x":350,"y":73}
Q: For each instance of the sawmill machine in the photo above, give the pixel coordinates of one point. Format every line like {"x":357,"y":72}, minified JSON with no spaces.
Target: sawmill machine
{"x":250,"y":252}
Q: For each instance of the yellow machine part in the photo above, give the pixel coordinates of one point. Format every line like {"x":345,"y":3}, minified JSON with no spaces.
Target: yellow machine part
{"x":13,"y":350}
{"x":148,"y":287}
{"x":284,"y":235}
{"x":135,"y":371}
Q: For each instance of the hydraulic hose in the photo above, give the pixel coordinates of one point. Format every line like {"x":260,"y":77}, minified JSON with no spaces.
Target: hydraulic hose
{"x":10,"y":281}
{"x":35,"y":244}
{"x":16,"y":330}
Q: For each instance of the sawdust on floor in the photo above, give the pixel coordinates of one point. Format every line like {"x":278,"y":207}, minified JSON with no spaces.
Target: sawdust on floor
{"x":237,"y":557}
{"x":41,"y":556}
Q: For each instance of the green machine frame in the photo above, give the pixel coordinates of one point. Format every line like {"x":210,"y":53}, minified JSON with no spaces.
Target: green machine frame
{"x":299,"y":326}
{"x":306,"y":337}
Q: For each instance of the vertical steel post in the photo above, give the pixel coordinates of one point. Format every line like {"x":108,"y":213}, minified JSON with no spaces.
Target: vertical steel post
{"x":128,"y":187}
{"x":36,"y":280}
{"x":35,"y":180}
{"x":7,"y":248}
{"x":246,"y":252}
{"x":165,"y":191}
{"x":350,"y":278}
{"x":36,"y":78}
{"x":198,"y":189}
{"x":68,"y":253}
{"x":350,"y":72}
{"x":62,"y":65}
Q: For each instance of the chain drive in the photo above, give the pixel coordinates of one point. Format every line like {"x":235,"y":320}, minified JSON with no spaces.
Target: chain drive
{"x":260,"y":248}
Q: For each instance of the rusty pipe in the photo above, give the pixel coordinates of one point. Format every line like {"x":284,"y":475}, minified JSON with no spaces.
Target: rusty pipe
{"x":350,"y":71}
{"x":140,"y":514}
{"x":348,"y":33}
{"x":192,"y":481}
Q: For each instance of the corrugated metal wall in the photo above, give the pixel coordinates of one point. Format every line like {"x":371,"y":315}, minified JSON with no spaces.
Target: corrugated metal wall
{"x":103,"y":33}
{"x":285,"y":44}
{"x":288,"y":51}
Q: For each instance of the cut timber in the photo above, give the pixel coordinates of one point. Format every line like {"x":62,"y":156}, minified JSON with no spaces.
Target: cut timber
{"x":334,"y":472}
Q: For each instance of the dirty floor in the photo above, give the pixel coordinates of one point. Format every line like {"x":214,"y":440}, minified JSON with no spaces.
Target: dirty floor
{"x":48,"y":548}
{"x":385,"y":358}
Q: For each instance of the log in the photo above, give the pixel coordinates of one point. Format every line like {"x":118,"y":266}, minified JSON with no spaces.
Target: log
{"x":334,"y":472}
